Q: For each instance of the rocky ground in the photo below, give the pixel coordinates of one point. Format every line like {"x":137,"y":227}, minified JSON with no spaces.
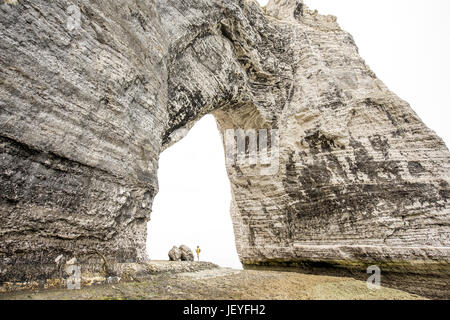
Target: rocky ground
{"x":223,"y":283}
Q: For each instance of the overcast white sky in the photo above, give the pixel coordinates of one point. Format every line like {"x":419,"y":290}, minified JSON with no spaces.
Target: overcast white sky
{"x":405,"y":42}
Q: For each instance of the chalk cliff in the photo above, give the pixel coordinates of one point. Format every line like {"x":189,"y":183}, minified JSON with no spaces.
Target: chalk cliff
{"x":86,"y":109}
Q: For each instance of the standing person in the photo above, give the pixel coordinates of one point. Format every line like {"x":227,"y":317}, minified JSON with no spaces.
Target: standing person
{"x":198,"y":253}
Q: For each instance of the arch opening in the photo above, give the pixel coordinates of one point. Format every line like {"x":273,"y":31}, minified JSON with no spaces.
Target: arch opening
{"x":192,"y":206}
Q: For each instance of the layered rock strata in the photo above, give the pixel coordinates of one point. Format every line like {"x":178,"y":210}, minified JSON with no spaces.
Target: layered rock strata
{"x":92,"y":92}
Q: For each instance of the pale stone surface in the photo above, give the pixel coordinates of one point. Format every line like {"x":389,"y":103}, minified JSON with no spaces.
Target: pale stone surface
{"x":175,"y":254}
{"x":85,"y":113}
{"x":186,"y":253}
{"x":182,"y":253}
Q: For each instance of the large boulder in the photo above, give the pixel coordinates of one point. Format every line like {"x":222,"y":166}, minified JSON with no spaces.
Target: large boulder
{"x":175,"y":254}
{"x":186,"y":253}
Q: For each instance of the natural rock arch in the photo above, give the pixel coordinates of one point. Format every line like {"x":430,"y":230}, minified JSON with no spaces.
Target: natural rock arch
{"x":86,"y":112}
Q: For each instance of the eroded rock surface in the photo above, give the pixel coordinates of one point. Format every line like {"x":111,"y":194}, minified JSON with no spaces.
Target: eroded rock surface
{"x":175,"y":254}
{"x":85,"y":112}
{"x":186,"y":253}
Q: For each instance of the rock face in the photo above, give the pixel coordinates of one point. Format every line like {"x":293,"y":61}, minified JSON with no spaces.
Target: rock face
{"x":91,"y":95}
{"x":183,"y":253}
{"x":186,"y":253}
{"x":175,"y":254}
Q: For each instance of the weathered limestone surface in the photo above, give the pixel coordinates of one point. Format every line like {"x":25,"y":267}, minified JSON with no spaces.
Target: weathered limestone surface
{"x":174,"y":254}
{"x":85,"y":113}
{"x":182,"y":253}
